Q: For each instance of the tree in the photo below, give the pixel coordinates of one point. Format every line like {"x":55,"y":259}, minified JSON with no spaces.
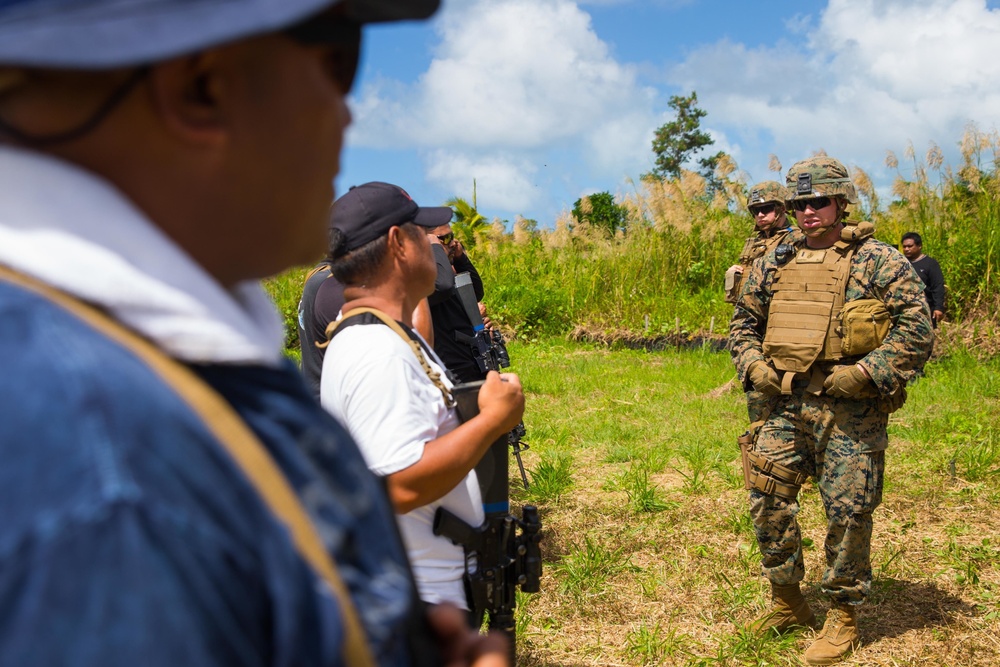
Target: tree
{"x":681,"y":139}
{"x":468,"y":220}
{"x":601,"y":211}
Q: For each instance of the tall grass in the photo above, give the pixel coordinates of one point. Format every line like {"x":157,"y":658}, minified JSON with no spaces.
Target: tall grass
{"x":667,"y":271}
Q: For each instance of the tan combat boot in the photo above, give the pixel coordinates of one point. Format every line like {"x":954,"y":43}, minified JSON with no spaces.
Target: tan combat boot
{"x":838,"y":637}
{"x":789,"y":609}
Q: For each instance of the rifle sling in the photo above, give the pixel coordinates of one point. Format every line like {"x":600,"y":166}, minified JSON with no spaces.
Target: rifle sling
{"x":238,"y":440}
{"x":372,"y":316}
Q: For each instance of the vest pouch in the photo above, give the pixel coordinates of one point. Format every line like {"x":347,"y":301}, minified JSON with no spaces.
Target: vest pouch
{"x":864,"y":324}
{"x":734,"y":280}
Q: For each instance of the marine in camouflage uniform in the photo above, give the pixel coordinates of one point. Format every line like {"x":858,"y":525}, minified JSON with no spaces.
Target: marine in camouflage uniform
{"x":829,"y":420}
{"x":766,"y":205}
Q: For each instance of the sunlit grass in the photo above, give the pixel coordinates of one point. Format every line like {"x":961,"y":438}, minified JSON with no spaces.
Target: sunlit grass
{"x":650,"y":555}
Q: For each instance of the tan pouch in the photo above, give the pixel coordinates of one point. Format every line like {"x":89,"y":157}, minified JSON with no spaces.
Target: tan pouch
{"x":864,"y":324}
{"x":734,"y":280}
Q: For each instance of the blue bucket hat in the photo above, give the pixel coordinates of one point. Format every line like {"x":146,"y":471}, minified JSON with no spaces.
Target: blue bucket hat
{"x":103,"y":34}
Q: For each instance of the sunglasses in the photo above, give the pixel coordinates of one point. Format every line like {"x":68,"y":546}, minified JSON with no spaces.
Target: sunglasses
{"x":338,"y":32}
{"x":762,"y":209}
{"x":815,"y":203}
{"x":446,"y":239}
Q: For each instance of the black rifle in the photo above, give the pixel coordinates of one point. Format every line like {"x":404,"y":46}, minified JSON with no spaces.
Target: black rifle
{"x":505,"y":550}
{"x":491,"y":355}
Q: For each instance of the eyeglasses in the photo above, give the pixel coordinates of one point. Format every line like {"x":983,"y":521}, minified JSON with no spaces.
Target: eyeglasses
{"x":815,"y":203}
{"x":762,"y":209}
{"x":446,"y":239}
{"x":342,"y":35}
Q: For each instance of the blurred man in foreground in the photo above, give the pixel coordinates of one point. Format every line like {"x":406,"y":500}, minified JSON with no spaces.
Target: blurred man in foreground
{"x":171,"y":493}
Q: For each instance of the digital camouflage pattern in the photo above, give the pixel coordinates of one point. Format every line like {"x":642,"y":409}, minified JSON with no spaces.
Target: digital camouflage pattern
{"x":762,"y":243}
{"x":766,"y":192}
{"x":757,"y":246}
{"x":878,"y":271}
{"x":820,"y":176}
{"x":838,"y":441}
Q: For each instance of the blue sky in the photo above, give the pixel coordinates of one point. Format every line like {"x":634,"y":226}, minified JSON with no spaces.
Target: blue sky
{"x":543,"y":101}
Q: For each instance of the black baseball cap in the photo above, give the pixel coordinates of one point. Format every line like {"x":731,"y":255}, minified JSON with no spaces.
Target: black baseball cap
{"x":367,"y":211}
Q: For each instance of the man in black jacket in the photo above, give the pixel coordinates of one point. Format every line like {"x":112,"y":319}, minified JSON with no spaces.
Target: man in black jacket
{"x":452,"y":328}
{"x":929,"y":271}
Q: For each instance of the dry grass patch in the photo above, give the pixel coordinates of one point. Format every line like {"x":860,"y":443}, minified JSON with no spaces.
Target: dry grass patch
{"x":674,"y":580}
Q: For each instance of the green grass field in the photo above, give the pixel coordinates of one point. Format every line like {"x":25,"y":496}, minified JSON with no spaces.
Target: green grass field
{"x":649,"y":551}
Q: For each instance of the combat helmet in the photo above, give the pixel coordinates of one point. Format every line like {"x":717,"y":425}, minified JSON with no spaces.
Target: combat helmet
{"x":820,"y":176}
{"x":767,"y":192}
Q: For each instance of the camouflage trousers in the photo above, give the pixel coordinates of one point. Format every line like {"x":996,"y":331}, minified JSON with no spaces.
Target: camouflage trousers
{"x":841,"y":444}
{"x":756,"y":404}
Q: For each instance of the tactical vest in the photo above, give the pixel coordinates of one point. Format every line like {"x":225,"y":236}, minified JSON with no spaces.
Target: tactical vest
{"x":804,"y":319}
{"x":754,"y":248}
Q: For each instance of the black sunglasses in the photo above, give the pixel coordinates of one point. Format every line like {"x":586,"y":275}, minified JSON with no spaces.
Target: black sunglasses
{"x":815,"y":203}
{"x":335,"y":31}
{"x":762,"y":209}
{"x":446,"y":239}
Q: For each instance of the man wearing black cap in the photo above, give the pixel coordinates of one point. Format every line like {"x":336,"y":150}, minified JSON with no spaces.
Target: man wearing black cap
{"x":171,"y":494}
{"x":391,"y":390}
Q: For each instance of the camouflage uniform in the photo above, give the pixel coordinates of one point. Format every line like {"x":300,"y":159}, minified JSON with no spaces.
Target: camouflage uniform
{"x":756,"y":247}
{"x":838,"y":441}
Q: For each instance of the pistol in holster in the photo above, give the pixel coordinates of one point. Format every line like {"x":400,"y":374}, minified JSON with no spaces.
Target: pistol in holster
{"x":763,"y":474}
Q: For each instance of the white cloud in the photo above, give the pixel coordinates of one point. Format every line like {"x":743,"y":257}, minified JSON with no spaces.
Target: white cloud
{"x":865,"y":77}
{"x":502,"y":182}
{"x":525,"y":97}
{"x":514,"y":74}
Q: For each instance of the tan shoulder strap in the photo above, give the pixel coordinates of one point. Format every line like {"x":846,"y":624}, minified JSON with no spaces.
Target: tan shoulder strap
{"x":239,"y":441}
{"x":316,"y":269}
{"x":432,"y":375}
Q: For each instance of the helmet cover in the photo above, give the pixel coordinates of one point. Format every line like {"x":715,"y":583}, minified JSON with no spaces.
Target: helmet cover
{"x":820,"y":176}
{"x":767,"y":192}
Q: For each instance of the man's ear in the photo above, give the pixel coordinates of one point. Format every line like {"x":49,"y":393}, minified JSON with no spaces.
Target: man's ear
{"x":189,"y":94}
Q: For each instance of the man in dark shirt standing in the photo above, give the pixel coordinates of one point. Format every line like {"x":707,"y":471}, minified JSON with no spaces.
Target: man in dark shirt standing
{"x":929,"y":271}
{"x":322,"y":297}
{"x":452,"y":329}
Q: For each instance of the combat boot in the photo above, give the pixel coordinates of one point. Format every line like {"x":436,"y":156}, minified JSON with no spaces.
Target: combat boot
{"x":838,"y":637}
{"x":788,"y":609}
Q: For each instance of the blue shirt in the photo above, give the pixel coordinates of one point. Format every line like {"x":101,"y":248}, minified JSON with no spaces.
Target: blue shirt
{"x":129,"y":537}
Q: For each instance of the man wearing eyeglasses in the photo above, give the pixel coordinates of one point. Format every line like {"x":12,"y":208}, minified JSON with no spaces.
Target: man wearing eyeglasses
{"x":172,"y":495}
{"x":831,"y":327}
{"x":452,"y":329}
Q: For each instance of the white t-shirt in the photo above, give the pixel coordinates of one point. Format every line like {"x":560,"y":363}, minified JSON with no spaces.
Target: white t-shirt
{"x":374,"y":384}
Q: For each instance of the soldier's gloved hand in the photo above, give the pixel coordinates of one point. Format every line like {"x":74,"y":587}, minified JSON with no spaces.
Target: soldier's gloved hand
{"x":764,"y":378}
{"x":846,"y":381}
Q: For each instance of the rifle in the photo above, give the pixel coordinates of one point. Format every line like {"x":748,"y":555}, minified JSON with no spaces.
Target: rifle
{"x":504,"y":549}
{"x":491,"y":355}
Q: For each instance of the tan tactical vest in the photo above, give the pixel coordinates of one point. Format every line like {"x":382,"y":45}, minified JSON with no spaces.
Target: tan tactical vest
{"x":755,"y":247}
{"x":804,"y":319}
